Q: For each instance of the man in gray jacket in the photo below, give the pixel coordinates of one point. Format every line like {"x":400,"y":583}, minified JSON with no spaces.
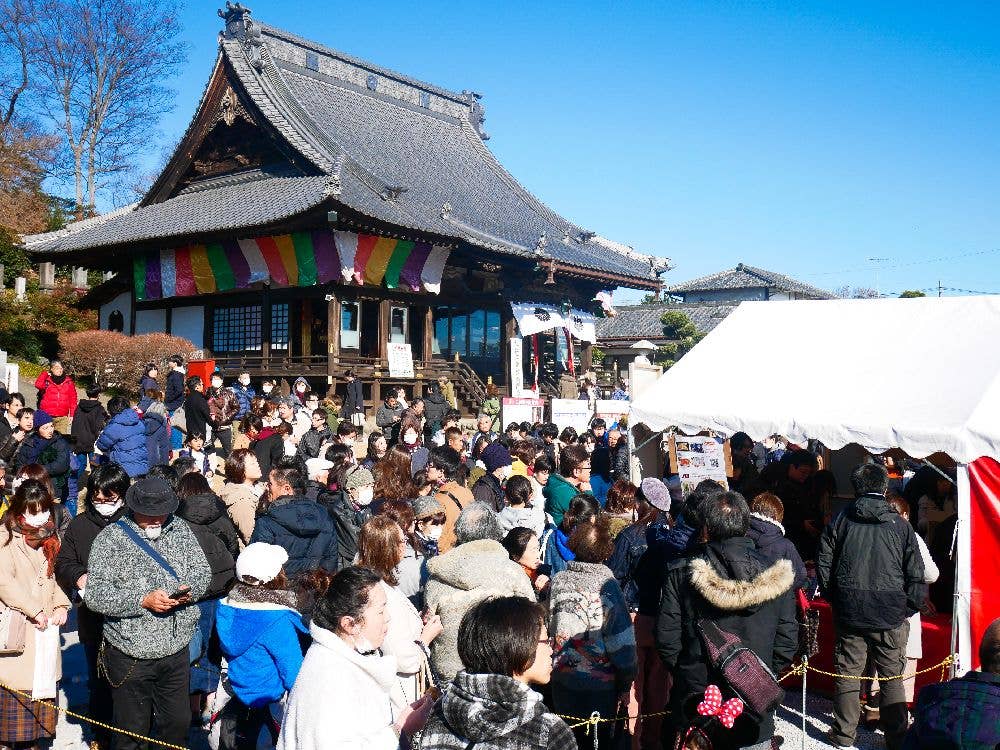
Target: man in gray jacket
{"x":145,"y":574}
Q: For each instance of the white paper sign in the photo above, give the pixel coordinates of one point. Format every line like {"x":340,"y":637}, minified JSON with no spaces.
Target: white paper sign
{"x":699,"y":458}
{"x":571,"y":412}
{"x":521,"y":410}
{"x":400,"y":361}
{"x":516,"y":368}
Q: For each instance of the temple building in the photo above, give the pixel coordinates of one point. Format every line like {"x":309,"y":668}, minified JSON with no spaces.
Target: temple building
{"x":320,"y":211}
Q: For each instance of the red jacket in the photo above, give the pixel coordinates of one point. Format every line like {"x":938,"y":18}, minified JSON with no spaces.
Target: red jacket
{"x":58,"y":399}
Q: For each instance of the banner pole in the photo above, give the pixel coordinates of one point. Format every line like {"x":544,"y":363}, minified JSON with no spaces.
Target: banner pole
{"x":805,"y":673}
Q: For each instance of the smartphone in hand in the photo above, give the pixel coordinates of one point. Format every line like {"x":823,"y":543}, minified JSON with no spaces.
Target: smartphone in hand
{"x":181,"y":592}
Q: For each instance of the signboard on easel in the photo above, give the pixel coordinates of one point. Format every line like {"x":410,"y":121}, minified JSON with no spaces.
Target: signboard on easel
{"x":521,"y":410}
{"x":571,"y":412}
{"x":400,"y":360}
{"x":697,"y":458}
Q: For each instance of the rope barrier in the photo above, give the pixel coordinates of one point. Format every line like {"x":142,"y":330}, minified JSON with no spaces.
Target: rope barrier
{"x":947,"y":662}
{"x":95,"y":722}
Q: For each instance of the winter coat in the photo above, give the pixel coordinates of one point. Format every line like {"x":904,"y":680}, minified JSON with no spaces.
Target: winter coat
{"x":304,"y":529}
{"x":963,"y":713}
{"x":555,"y":552}
{"x":261,"y":643}
{"x":914,"y":640}
{"x":9,"y":447}
{"x":590,"y":621}
{"x":453,"y":497}
{"x":385,"y":417}
{"x":411,"y":574}
{"x":241,"y":502}
{"x":223,"y":406}
{"x":72,"y":562}
{"x":664,"y":544}
{"x":401,"y":641}
{"x":88,"y":422}
{"x":243,"y":396}
{"x":157,"y":438}
{"x":435,"y":407}
{"x":558,"y":493}
{"x":173,"y":396}
{"x":197,"y":414}
{"x":52,"y":454}
{"x":495,"y":712}
{"x":358,"y":715}
{"x":355,"y":401}
{"x":312,"y":442}
{"x":769,"y":536}
{"x":491,"y":408}
{"x":630,"y":546}
{"x":488,"y":490}
{"x":531,"y":518}
{"x":460,"y":579}
{"x":732,"y":585}
{"x":58,"y":399}
{"x":209,"y":511}
{"x":869,"y":566}
{"x":123,"y":441}
{"x":268,"y":448}
{"x":26,"y":587}
{"x":348,"y":521}
{"x":120,"y":575}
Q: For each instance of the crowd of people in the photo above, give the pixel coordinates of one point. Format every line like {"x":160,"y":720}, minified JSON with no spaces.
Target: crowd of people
{"x":251,"y":562}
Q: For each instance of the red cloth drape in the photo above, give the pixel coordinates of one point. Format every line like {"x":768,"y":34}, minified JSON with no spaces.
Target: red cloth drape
{"x":984,"y":503}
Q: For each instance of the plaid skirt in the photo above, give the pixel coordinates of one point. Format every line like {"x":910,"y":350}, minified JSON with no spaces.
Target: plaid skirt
{"x":25,"y":720}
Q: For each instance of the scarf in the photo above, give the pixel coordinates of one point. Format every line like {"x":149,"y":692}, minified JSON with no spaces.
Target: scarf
{"x":57,"y":379}
{"x":43,"y":536}
{"x":243,"y":592}
{"x":564,"y":551}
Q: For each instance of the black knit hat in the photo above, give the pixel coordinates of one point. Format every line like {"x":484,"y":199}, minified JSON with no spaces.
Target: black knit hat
{"x":151,"y":497}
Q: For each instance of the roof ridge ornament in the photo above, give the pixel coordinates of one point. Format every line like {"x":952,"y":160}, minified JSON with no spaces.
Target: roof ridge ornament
{"x":241,"y":27}
{"x":477,"y":112}
{"x":541,"y":244}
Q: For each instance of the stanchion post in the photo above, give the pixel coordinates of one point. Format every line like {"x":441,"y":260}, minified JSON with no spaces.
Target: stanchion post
{"x":594,"y":719}
{"x":805,"y":673}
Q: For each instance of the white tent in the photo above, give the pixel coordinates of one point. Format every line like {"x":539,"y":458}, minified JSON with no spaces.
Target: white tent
{"x":920,"y":374}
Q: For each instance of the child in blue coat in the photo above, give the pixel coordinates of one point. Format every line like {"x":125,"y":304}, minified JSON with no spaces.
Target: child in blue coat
{"x":259,"y":629}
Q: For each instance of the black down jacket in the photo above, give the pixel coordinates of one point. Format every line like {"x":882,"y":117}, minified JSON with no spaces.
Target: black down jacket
{"x":210,"y":522}
{"x":306,"y":531}
{"x":71,"y":563}
{"x":731,"y":584}
{"x":869,"y":566}
{"x":769,"y":536}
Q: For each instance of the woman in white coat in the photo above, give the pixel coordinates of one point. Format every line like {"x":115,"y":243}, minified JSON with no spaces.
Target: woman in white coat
{"x":381,"y":545}
{"x":347,"y":694}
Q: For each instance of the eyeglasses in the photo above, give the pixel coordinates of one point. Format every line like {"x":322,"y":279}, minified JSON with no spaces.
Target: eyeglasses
{"x":551,"y":641}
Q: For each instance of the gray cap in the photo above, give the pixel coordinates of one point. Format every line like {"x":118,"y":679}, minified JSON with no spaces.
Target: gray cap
{"x":425,"y":507}
{"x":359,"y":477}
{"x":656,"y":492}
{"x":151,"y":496}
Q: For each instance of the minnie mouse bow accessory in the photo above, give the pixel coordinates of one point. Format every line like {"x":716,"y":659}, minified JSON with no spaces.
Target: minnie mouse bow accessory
{"x":726,"y":713}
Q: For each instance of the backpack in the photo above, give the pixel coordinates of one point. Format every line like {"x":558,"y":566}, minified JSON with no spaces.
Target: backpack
{"x":749,"y":677}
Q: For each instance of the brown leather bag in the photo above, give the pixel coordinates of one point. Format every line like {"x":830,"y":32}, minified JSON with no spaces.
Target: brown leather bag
{"x":13,"y":630}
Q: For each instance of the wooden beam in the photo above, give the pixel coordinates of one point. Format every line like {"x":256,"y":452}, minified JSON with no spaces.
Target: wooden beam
{"x":383,"y":329}
{"x":332,"y":335}
{"x":428,"y":333}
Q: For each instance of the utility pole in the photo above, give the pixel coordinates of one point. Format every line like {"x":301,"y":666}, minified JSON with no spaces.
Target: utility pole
{"x":876,"y":261}
{"x":939,"y":287}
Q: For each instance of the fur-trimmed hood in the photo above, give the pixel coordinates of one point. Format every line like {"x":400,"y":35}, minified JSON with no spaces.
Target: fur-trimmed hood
{"x":733,"y":594}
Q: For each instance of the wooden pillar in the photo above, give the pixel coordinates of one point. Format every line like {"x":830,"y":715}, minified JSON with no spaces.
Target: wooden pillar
{"x":305,"y":327}
{"x":428,"y":333}
{"x":332,"y":337}
{"x":586,"y":356}
{"x":509,"y":331}
{"x":383,"y":329}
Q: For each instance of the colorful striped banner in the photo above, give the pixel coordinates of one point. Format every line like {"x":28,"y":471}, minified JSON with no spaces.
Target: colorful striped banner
{"x":298,"y":259}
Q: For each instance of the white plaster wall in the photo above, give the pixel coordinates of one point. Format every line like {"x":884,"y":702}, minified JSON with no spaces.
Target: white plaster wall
{"x":123,"y":304}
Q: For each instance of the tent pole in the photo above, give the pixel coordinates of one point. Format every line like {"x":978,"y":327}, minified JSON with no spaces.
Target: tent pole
{"x":941,"y":473}
{"x":646,"y":442}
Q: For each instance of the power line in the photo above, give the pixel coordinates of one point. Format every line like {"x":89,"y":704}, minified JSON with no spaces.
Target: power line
{"x":909,"y":264}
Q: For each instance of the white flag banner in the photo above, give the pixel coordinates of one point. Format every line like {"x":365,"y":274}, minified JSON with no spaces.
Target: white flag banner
{"x":582,"y":325}
{"x":534,"y":317}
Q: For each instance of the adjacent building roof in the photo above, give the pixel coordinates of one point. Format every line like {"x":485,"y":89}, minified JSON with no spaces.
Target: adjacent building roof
{"x":396,"y":150}
{"x":749,"y":277}
{"x":253,"y":200}
{"x":637,"y":322}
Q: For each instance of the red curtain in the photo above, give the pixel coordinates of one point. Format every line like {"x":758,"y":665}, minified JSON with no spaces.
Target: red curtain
{"x":984,"y":500}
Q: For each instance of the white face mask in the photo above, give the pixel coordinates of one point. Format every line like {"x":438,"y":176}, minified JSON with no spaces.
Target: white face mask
{"x":363,"y":646}
{"x":589,"y":448}
{"x":153,"y":531}
{"x":244,"y":381}
{"x":365,"y":495}
{"x":216,"y":383}
{"x":107,"y":509}
{"x":435,"y":531}
{"x":266,"y":388}
{"x":37,"y":519}
{"x":300,"y":388}
{"x":410,"y":438}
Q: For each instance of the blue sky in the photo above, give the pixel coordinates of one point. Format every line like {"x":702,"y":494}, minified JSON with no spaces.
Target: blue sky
{"x":800,"y":137}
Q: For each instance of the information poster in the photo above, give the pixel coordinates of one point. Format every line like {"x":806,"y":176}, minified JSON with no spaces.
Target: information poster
{"x":521,"y":410}
{"x":400,"y":361}
{"x":571,"y":412}
{"x":516,"y":368}
{"x":697,"y":458}
{"x":611,"y":411}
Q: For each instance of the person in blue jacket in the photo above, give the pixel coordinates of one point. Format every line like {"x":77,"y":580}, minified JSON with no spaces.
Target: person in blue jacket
{"x":262,"y":635}
{"x":557,"y":555}
{"x":123,"y":439}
